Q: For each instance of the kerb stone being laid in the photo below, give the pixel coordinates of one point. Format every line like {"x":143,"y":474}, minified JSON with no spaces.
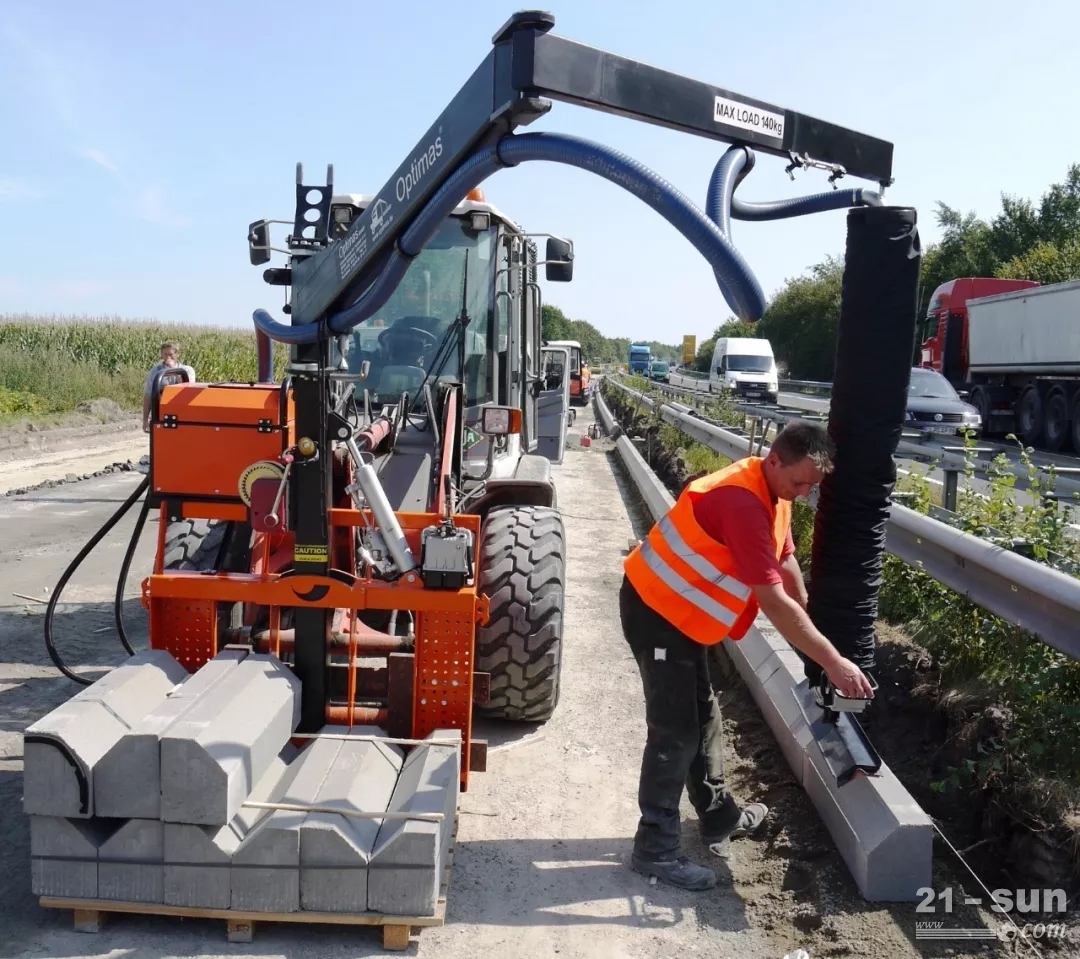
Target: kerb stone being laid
{"x":62,"y":749}
{"x":335,"y":849}
{"x":127,"y":779}
{"x":407,"y":864}
{"x":198,"y":858}
{"x":885,"y":838}
{"x":214,"y":754}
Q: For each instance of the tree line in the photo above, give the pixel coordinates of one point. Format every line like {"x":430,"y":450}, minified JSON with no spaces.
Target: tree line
{"x":595,"y":347}
{"x":1026,"y":241}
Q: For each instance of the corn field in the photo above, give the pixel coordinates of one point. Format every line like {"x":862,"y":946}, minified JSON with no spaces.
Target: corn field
{"x":50,"y":365}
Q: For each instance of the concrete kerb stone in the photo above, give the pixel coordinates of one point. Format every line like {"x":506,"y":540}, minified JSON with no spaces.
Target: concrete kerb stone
{"x":335,"y":849}
{"x":883,"y":835}
{"x":127,"y":779}
{"x":64,"y":855}
{"x":198,"y":858}
{"x":405,"y":872}
{"x":214,"y":754}
{"x":131,"y":863}
{"x":265,"y":872}
{"x":62,"y":749}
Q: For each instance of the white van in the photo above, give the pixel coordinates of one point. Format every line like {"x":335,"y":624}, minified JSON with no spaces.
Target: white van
{"x":746,"y":367}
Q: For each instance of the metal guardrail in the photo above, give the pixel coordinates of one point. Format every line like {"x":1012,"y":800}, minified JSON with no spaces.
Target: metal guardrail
{"x":805,"y":385}
{"x":1028,"y":594}
{"x":909,"y":448}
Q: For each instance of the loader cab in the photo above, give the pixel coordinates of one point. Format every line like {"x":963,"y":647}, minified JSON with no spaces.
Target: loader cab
{"x":578,"y":371}
{"x":468,"y":309}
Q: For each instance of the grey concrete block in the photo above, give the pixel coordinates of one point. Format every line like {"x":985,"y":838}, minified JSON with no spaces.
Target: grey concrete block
{"x":406,"y":868}
{"x":335,"y":849}
{"x":127,"y":779}
{"x":64,"y":855}
{"x":131,"y":863}
{"x":198,"y":858}
{"x":883,"y":835}
{"x":214,"y":754}
{"x":265,"y":872}
{"x":62,"y":749}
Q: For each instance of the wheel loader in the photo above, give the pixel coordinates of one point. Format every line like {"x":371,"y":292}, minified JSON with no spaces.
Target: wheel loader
{"x":438,"y":398}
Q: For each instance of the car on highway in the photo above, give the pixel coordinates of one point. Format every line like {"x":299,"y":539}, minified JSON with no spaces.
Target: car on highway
{"x":935,"y":407}
{"x":659,"y":370}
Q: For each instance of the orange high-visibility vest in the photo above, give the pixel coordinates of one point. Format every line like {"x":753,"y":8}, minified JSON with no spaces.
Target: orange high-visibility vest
{"x":688,"y":577}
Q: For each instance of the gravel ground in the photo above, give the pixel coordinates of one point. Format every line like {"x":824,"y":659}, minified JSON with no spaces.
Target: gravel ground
{"x":544,"y":835}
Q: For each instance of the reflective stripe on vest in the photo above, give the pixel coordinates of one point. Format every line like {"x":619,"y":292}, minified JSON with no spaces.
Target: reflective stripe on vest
{"x":709,"y":606}
{"x":687,"y":577}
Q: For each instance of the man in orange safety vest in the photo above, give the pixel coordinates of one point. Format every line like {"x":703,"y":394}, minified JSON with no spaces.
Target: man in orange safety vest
{"x":722,"y":553}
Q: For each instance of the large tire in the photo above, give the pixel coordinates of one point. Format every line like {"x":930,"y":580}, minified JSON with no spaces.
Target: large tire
{"x":208,"y":544}
{"x":523,"y":574}
{"x":195,"y":544}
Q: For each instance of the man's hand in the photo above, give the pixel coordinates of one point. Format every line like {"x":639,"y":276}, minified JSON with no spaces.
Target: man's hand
{"x":849,"y":680}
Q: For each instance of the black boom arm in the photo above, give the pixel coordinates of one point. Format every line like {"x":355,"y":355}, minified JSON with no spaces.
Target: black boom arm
{"x":525,"y":70}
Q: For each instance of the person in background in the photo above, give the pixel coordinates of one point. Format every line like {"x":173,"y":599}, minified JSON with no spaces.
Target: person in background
{"x":170,"y":360}
{"x":722,"y":553}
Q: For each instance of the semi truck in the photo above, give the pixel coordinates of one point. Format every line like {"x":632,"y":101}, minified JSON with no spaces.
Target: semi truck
{"x":1012,"y":349}
{"x":640,"y":358}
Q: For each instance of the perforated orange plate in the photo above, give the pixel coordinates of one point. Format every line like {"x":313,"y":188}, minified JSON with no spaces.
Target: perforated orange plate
{"x":185,"y":628}
{"x":444,"y":678}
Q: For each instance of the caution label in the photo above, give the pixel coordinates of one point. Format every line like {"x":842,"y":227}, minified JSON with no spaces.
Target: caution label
{"x":311,"y":554}
{"x":732,"y":113}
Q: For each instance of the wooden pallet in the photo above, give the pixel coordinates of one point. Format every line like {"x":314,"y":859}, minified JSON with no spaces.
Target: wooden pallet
{"x":240,"y":926}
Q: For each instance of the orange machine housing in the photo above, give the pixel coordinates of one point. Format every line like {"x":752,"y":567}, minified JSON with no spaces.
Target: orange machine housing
{"x":203,"y":437}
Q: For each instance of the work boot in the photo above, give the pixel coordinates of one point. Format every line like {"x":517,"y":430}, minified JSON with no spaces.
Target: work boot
{"x":679,"y":872}
{"x":749,"y":822}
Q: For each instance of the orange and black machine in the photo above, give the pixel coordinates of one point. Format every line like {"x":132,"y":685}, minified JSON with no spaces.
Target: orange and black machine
{"x":320,"y":555}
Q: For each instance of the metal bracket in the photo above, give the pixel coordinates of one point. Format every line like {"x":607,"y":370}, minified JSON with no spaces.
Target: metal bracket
{"x":843,"y":743}
{"x":483,"y":609}
{"x":170,"y":421}
{"x":265,"y":426}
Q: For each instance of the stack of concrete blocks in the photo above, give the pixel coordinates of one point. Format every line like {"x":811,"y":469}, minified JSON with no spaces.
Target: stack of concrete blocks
{"x":144,"y":747}
{"x":150,"y":786}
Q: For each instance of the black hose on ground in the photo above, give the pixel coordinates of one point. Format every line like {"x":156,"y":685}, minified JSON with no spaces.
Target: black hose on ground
{"x":50,"y":610}
{"x":874,"y":349}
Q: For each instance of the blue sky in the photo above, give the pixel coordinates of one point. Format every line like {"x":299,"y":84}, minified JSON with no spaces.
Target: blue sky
{"x":139,"y":139}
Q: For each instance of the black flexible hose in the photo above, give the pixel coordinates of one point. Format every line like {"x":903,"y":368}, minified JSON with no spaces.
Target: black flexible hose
{"x":121,"y":582}
{"x":50,"y":610}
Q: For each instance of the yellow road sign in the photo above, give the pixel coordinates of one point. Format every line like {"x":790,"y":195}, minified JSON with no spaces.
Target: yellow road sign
{"x":689,"y":348}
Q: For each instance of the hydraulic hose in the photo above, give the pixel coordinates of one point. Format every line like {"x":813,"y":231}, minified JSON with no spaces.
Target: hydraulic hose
{"x":50,"y":610}
{"x":709,"y":233}
{"x":736,"y":280}
{"x":121,"y":582}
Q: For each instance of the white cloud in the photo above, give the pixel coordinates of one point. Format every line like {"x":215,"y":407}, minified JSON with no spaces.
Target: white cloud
{"x":15,"y":190}
{"x":95,"y":155}
{"x":151,"y":205}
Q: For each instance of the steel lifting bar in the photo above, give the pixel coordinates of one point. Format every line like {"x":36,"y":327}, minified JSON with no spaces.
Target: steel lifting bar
{"x":526,"y":68}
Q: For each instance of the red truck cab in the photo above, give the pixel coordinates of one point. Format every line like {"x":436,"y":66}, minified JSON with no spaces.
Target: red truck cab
{"x":943,"y":333}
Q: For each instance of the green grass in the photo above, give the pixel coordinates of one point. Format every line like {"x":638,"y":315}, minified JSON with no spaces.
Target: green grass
{"x":51,"y":365}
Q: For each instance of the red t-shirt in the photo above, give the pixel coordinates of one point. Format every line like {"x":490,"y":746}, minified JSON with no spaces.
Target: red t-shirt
{"x":735,"y":517}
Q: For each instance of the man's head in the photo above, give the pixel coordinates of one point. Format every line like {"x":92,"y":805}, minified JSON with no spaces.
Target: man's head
{"x":800,"y":457}
{"x":170,"y":353}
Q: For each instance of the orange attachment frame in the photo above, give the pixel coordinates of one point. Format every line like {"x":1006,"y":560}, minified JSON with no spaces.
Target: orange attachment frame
{"x":182,"y":615}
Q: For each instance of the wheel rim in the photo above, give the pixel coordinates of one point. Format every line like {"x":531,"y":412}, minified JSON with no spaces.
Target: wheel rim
{"x":1056,"y":419}
{"x":1029,"y":415}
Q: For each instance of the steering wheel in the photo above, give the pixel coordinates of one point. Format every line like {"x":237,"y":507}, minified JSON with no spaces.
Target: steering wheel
{"x":408,"y":328}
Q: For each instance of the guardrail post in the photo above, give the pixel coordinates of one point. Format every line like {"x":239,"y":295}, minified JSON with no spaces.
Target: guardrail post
{"x":948,"y":496}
